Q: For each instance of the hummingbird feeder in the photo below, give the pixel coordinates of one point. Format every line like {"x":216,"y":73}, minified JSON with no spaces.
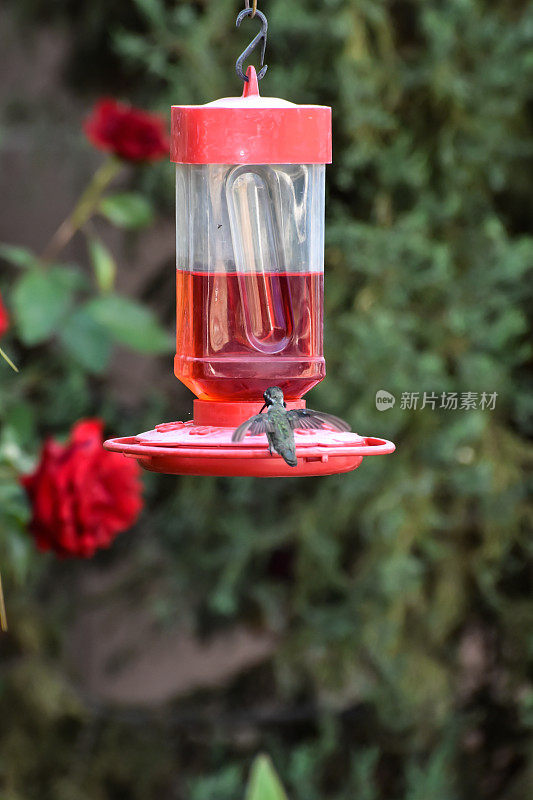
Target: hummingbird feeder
{"x":249,"y":283}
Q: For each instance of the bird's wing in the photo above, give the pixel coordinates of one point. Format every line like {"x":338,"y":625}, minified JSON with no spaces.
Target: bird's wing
{"x":256,"y":425}
{"x":306,"y":418}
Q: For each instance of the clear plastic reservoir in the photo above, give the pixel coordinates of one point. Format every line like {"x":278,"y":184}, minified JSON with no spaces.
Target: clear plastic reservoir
{"x":249,"y":279}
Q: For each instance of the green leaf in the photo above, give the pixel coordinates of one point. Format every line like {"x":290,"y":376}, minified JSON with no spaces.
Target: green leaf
{"x":264,"y":783}
{"x":86,"y":340}
{"x":127,"y":210}
{"x":41,"y":299}
{"x":130,"y":323}
{"x":18,"y":256}
{"x":12,"y":452}
{"x":105,"y":268}
{"x":154,"y":11}
{"x":20,"y":417}
{"x":18,"y":547}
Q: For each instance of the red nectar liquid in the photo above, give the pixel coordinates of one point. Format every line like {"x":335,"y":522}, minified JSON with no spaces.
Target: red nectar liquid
{"x":239,"y":333}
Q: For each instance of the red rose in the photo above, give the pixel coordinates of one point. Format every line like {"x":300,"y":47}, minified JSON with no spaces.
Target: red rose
{"x":4,"y":319}
{"x":81,"y":495}
{"x":127,"y":132}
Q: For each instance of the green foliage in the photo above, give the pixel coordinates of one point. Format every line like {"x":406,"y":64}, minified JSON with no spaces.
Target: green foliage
{"x":105,"y":268}
{"x":264,"y":783}
{"x":129,"y":323}
{"x":398,"y":594}
{"x":127,"y":210}
{"x":41,"y":300}
{"x":87,"y":340}
{"x":18,"y":256}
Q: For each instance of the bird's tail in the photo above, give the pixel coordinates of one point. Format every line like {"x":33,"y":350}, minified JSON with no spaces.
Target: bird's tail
{"x":289,"y":456}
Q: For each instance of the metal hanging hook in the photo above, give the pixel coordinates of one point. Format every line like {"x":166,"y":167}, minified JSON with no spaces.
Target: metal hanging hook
{"x":259,"y":40}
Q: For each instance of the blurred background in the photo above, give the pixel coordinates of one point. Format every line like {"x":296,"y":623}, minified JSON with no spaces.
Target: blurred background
{"x":371,"y":631}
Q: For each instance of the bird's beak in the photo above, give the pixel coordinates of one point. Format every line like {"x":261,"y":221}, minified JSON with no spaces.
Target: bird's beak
{"x":264,"y":406}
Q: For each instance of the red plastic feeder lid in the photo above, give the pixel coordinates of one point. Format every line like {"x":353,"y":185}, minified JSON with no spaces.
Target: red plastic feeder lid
{"x":190,"y":448}
{"x":251,"y":130}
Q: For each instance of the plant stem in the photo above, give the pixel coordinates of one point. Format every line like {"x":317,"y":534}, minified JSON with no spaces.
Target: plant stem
{"x":84,"y":208}
{"x":3,"y":615}
{"x":6,"y":357}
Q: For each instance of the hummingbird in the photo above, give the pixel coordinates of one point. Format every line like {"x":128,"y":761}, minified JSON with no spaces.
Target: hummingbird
{"x":280,"y":424}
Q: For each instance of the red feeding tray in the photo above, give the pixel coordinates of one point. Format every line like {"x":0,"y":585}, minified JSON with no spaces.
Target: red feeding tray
{"x":204,"y":447}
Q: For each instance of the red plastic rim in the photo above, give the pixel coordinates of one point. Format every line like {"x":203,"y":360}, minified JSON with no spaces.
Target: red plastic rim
{"x":247,"y":458}
{"x":251,"y":130}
